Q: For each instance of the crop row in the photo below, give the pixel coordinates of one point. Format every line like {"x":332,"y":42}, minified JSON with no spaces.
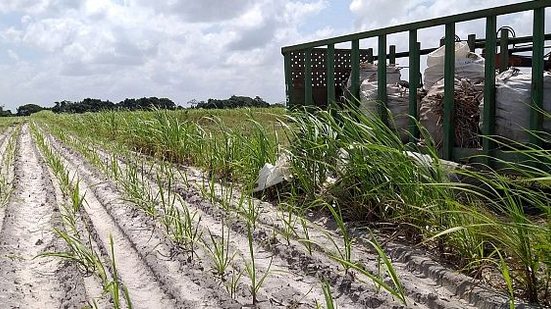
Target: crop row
{"x":354,"y":169}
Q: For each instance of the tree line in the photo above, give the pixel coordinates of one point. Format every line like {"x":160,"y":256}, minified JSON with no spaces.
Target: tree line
{"x":97,"y":105}
{"x":233,"y":102}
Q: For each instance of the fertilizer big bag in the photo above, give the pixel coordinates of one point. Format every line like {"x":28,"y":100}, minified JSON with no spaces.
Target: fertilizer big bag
{"x":468,"y":65}
{"x":513,"y":98}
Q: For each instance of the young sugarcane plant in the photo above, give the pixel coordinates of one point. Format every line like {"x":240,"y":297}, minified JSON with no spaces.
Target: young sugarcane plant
{"x":328,"y":296}
{"x":249,"y":209}
{"x":76,"y":199}
{"x":233,"y":283}
{"x":226,"y":194}
{"x":289,"y":220}
{"x":184,"y":177}
{"x":113,"y":167}
{"x":256,"y":280}
{"x":220,"y":251}
{"x":143,"y":197}
{"x":250,"y":267}
{"x":306,"y":241}
{"x":168,"y":211}
{"x":345,"y":253}
{"x":396,"y":289}
{"x":115,"y":286}
{"x":185,"y":228}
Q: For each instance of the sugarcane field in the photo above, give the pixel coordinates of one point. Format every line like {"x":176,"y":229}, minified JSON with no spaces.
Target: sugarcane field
{"x":405,"y":161}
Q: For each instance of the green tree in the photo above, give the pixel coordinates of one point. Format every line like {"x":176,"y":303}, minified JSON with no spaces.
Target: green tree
{"x":28,"y":109}
{"x":5,"y":113}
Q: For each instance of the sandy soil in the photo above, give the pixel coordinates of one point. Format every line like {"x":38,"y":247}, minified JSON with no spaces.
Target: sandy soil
{"x":27,"y":231}
{"x":160,"y":274}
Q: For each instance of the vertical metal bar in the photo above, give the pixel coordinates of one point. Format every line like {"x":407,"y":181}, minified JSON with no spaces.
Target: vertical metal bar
{"x":370,"y":55}
{"x":471,"y":40}
{"x":381,"y":78}
{"x":392,"y":54}
{"x":330,"y":73}
{"x":503,"y":50}
{"x":414,"y":70}
{"x":288,"y":79}
{"x":449,"y":87}
{"x":536,"y":116}
{"x":355,"y":72}
{"x":489,"y":111}
{"x":308,"y":99}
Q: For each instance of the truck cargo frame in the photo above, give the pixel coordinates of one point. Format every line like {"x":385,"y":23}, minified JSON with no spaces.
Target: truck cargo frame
{"x":316,"y":71}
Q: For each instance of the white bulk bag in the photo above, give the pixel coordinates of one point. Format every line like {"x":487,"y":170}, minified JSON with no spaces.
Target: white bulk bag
{"x":397,"y":102}
{"x":513,"y":95}
{"x":467,"y":97}
{"x":467,"y":65}
{"x":368,"y":71}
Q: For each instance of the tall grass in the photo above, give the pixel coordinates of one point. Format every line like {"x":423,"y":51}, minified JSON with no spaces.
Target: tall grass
{"x":231,"y":152}
{"x":355,"y":162}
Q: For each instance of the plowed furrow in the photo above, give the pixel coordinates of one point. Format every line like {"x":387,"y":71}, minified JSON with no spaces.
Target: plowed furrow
{"x":145,"y":291}
{"x":28,"y":281}
{"x":423,"y":286}
{"x":143,"y":246}
{"x":420,"y":288}
{"x":296,"y":277}
{"x":7,"y":171}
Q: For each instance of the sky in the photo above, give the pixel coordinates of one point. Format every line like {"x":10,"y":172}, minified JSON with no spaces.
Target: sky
{"x":53,"y":50}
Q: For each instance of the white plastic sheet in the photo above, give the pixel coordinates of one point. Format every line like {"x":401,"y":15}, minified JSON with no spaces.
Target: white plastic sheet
{"x":271,"y":175}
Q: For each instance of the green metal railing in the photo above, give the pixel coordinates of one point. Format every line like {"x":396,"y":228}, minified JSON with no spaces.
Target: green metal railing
{"x":489,"y":43}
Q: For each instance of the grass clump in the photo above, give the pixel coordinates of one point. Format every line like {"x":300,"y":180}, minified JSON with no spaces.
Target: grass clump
{"x":355,"y":163}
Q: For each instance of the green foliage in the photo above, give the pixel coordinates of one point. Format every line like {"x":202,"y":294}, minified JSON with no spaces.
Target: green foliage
{"x":233,"y":102}
{"x":28,"y":109}
{"x":97,"y":105}
{"x":378,"y":179}
{"x":231,"y":144}
{"x":5,"y":113}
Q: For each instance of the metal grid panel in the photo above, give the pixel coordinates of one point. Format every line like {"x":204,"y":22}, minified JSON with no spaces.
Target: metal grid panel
{"x":343,"y":65}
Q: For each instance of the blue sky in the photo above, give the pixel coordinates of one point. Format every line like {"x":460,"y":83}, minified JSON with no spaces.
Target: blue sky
{"x":52,"y":50}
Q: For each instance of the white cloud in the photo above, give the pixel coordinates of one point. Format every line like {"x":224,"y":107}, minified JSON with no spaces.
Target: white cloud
{"x":203,"y":11}
{"x":113,"y":49}
{"x":372,"y":14}
{"x":52,"y":34}
{"x":13,"y":55}
{"x":38,"y":7}
{"x":117,"y":49}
